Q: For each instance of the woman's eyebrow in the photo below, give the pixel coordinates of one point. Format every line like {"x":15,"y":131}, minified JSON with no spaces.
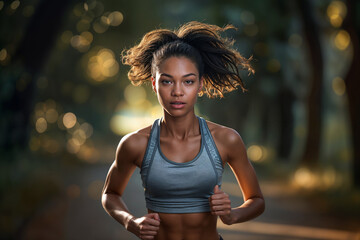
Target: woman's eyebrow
{"x":186,"y":75}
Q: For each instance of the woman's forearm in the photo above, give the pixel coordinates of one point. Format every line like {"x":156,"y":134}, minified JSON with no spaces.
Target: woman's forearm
{"x":115,"y":207}
{"x":250,"y":209}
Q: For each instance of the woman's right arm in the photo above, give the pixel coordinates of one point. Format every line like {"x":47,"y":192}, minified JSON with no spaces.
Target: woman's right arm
{"x":128,"y":152}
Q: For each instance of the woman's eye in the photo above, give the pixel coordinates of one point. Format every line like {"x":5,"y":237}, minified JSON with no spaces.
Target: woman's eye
{"x":189,"y":81}
{"x":165,"y":81}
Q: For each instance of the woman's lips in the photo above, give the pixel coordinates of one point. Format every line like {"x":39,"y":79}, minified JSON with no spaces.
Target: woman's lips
{"x":177,"y":104}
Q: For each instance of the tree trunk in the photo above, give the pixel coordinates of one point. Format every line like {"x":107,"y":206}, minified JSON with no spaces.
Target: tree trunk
{"x":353,"y":86}
{"x":314,"y":101}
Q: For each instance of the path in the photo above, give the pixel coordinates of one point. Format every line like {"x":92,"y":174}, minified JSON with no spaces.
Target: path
{"x":81,"y":216}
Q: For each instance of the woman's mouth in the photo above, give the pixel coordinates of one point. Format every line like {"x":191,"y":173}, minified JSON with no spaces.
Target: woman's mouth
{"x":177,"y":104}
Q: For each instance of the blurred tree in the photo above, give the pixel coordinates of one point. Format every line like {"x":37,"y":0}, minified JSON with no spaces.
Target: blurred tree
{"x":314,"y":102}
{"x":28,"y":60}
{"x":352,"y":25}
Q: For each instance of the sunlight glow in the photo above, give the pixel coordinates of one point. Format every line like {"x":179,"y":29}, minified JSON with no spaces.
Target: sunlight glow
{"x":134,"y":95}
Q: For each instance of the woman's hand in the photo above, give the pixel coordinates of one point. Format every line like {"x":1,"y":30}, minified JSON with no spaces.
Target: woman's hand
{"x":147,"y":226}
{"x":220,"y":205}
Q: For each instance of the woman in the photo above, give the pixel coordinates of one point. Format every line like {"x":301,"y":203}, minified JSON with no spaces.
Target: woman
{"x":181,"y":156}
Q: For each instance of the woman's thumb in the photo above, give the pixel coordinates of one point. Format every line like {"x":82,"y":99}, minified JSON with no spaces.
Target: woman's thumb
{"x":216,"y":189}
{"x":155,"y":216}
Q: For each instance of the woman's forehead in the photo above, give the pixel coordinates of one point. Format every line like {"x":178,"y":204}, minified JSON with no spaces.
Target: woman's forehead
{"x":177,"y":66}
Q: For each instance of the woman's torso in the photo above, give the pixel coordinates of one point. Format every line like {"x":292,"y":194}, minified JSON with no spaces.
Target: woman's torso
{"x":183,"y":226}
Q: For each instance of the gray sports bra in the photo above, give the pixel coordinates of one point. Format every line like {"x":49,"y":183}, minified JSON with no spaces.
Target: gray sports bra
{"x":172,"y":187}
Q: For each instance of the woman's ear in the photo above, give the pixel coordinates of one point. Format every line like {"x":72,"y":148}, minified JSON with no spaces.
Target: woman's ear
{"x":201,"y":84}
{"x":153,"y":84}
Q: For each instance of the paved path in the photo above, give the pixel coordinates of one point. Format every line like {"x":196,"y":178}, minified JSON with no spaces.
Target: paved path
{"x":79,"y":214}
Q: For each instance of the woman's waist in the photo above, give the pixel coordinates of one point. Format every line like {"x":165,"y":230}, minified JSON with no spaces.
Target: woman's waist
{"x":187,"y":223}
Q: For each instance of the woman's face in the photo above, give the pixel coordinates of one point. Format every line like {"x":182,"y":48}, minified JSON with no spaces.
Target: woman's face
{"x":177,"y":85}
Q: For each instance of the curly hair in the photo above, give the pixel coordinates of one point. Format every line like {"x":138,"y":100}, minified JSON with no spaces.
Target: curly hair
{"x":218,"y":63}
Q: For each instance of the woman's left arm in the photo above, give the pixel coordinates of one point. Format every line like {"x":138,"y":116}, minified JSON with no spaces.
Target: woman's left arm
{"x":236,"y":157}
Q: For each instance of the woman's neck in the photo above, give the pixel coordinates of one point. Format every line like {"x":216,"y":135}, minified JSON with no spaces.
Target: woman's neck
{"x":180,"y":127}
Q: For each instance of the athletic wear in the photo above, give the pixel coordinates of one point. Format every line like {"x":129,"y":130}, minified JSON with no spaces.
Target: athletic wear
{"x":172,"y":187}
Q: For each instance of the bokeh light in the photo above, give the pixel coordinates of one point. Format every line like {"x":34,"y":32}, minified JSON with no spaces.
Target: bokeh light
{"x":15,"y":4}
{"x":338,"y":86}
{"x":342,"y":40}
{"x":51,"y":115}
{"x":41,"y":125}
{"x":3,"y":54}
{"x":87,"y":128}
{"x":72,"y":146}
{"x":336,"y":13}
{"x":116,"y":18}
{"x":69,"y":120}
{"x":257,"y":153}
{"x":273,"y":65}
{"x":102,"y":65}
{"x":303,"y":177}
{"x":82,"y":42}
{"x":66,"y":37}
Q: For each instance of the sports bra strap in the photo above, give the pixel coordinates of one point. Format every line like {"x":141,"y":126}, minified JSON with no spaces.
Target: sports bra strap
{"x":211,"y":148}
{"x":150,"y":149}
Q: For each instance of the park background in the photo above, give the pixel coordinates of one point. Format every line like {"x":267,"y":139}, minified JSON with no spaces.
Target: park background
{"x":65,"y":102}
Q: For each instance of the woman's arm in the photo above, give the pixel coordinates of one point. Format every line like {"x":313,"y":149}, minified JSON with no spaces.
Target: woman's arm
{"x":236,"y":157}
{"x":127,"y":154}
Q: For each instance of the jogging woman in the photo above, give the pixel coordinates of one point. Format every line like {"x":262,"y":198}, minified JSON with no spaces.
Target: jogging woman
{"x":181,"y":157}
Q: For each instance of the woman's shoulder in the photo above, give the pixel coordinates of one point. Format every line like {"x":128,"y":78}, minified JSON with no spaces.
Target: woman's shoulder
{"x":133,"y":145}
{"x":228,"y":141}
{"x":225,"y":135}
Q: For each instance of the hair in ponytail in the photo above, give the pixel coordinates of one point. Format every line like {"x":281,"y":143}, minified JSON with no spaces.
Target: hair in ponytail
{"x":218,"y":63}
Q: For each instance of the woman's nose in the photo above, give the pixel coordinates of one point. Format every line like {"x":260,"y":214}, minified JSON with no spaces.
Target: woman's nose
{"x":177,"y":90}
